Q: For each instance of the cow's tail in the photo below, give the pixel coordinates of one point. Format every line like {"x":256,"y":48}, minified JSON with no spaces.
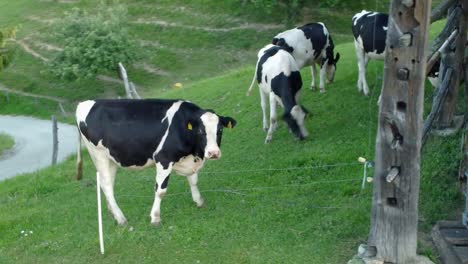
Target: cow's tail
{"x":79,"y":161}
{"x":252,"y":84}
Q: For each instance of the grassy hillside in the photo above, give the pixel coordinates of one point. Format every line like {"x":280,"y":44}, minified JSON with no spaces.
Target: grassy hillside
{"x":287,"y":202}
{"x":181,"y":41}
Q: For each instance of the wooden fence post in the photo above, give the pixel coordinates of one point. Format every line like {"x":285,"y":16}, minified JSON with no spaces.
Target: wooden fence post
{"x":130,"y":89}
{"x":54,"y":140}
{"x":446,"y":117}
{"x":394,"y":216}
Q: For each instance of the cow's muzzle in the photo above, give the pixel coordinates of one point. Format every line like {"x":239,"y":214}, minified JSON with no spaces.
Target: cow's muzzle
{"x":213,"y":154}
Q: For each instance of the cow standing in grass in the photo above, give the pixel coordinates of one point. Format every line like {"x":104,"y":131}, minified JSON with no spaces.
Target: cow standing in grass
{"x":171,"y":135}
{"x":370,"y":34}
{"x":311,"y":44}
{"x":280,"y":83}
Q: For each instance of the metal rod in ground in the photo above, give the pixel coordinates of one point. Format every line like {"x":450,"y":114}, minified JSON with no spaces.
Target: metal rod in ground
{"x":54,"y":140}
{"x":364,"y":177}
{"x":98,"y":188}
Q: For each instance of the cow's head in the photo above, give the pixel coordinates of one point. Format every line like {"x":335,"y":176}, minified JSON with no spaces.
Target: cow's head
{"x":208,"y":131}
{"x":330,"y":64}
{"x":295,"y":120}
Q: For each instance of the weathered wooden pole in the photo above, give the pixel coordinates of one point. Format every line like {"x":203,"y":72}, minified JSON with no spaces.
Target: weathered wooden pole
{"x":446,"y":116}
{"x":124,"y":77}
{"x":130,"y":89}
{"x":54,"y":140}
{"x":394,"y":218}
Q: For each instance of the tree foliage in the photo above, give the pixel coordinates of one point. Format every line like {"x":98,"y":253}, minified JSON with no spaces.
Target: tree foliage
{"x":6,"y":47}
{"x":93,"y":42}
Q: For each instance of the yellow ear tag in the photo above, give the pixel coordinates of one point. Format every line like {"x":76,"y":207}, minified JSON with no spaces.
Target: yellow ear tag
{"x":189,"y":126}
{"x":229,"y":125}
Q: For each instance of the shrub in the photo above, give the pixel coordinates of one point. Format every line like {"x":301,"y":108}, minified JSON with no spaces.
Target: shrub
{"x":6,"y":47}
{"x":93,"y":42}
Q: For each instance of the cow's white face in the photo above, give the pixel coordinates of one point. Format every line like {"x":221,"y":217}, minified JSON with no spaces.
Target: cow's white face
{"x":331,"y":69}
{"x":209,"y":131}
{"x":212,"y":131}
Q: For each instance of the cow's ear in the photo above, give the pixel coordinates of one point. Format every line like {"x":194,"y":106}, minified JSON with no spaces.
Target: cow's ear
{"x":337,"y":57}
{"x":227,"y":121}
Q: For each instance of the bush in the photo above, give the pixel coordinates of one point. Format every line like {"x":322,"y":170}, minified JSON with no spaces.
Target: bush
{"x":93,"y":42}
{"x":6,"y":47}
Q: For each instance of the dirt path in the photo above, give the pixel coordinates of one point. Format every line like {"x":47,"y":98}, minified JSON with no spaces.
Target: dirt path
{"x":55,"y":99}
{"x":258,"y":27}
{"x":33,"y":144}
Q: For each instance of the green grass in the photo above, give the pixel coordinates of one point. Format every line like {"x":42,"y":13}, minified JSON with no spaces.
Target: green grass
{"x":276,"y":203}
{"x":6,"y":143}
{"x":253,"y":213}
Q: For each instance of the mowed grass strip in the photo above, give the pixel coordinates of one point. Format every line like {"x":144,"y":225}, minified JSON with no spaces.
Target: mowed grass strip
{"x":6,"y":143}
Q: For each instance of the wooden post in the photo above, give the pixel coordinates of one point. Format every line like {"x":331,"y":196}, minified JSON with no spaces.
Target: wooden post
{"x":454,"y":60}
{"x":437,"y":102}
{"x":130,"y":89}
{"x":54,"y":140}
{"x":440,"y":11}
{"x":394,"y":217}
{"x":124,"y":77}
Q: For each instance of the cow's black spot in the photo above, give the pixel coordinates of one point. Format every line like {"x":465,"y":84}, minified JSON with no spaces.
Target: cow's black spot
{"x":371,"y":30}
{"x":266,"y":55}
{"x":315,"y":33}
{"x":165,"y":182}
{"x":286,"y":88}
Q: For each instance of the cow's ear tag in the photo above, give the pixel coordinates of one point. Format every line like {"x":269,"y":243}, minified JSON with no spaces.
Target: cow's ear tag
{"x":189,"y":126}
{"x":229,"y":125}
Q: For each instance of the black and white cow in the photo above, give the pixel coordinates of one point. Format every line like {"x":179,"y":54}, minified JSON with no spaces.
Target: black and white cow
{"x":172,"y":135}
{"x":280,"y":81}
{"x":370,"y":34}
{"x":311,"y":44}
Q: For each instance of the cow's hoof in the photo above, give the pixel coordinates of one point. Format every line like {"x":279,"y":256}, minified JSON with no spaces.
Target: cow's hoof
{"x":121,"y":221}
{"x":156,"y":223}
{"x":267,"y":140}
{"x":265,"y":129}
{"x":312,"y":88}
{"x":322,"y":91}
{"x":200,"y":204}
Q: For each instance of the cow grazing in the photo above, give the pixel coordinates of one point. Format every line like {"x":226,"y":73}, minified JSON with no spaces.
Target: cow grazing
{"x":280,"y":82}
{"x":370,"y":34}
{"x":311,"y":44}
{"x":172,"y":135}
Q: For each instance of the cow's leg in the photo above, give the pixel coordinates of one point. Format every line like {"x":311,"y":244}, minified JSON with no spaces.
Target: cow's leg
{"x":273,"y":121}
{"x":107,"y":171}
{"x":313,"y":71}
{"x":362,"y":60}
{"x":323,"y":73}
{"x":196,"y":196}
{"x":160,"y":188}
{"x":365,"y":87}
{"x":263,"y":103}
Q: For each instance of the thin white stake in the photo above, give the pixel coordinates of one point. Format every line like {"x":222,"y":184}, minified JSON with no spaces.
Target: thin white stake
{"x":98,"y":186}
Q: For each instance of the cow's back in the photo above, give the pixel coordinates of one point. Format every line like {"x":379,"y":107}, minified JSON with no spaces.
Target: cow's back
{"x":318,"y":36}
{"x":131,"y":130}
{"x":370,"y":31}
{"x":274,"y":62}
